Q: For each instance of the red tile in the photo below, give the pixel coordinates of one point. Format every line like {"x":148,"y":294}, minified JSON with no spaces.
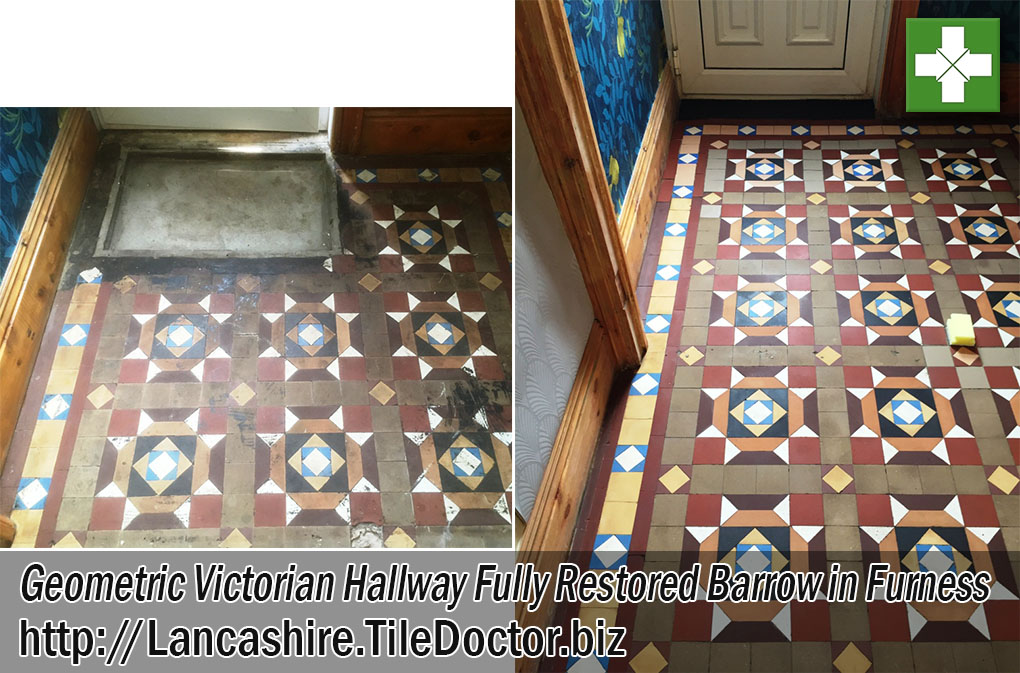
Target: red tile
{"x":429,"y":509}
{"x":406,"y":368}
{"x":271,"y":302}
{"x":270,"y":369}
{"x":806,"y":509}
{"x":414,"y":419}
{"x":798,"y":282}
{"x":801,"y":336}
{"x":1003,"y":618}
{"x":358,"y":418}
{"x":366,"y":508}
{"x":1001,"y":377}
{"x":716,"y":377}
{"x":963,"y":451}
{"x":867,"y":451}
{"x":107,"y":513}
{"x":146,"y":303}
{"x":270,"y":509}
{"x":802,"y":377}
{"x":978,"y":510}
{"x":347,"y":302}
{"x":703,"y":509}
{"x":693,"y":622}
{"x":488,"y":369}
{"x":395,"y":301}
{"x":725,"y":282}
{"x":221,"y":303}
{"x":853,"y":336}
{"x":810,"y":621}
{"x":216,"y":370}
{"x":874,"y":510}
{"x":133,"y":371}
{"x":857,"y":377}
{"x":352,"y":369}
{"x":206,"y":511}
{"x":844,"y":282}
{"x":720,"y":336}
{"x":212,"y":420}
{"x":888,"y":621}
{"x":805,"y":451}
{"x":943,"y":377}
{"x":123,"y":423}
{"x":269,"y":419}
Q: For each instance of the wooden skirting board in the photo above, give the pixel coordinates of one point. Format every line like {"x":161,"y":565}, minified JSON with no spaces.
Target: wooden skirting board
{"x":551,"y":96}
{"x":403,"y":131}
{"x":33,"y":275}
{"x":553,"y":518}
{"x":635,"y":217}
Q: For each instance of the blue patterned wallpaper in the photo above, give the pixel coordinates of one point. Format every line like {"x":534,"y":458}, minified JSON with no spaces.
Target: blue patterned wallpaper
{"x":621,"y":51}
{"x":27,"y":135}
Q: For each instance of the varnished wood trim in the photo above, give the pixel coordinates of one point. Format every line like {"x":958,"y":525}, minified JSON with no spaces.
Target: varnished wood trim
{"x":388,"y":131}
{"x":7,"y":531}
{"x":30,"y":284}
{"x":551,"y":96}
{"x":892,"y":97}
{"x":553,"y":518}
{"x":636,"y":213}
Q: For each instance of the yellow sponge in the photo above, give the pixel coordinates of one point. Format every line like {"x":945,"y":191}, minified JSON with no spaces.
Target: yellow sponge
{"x":961,"y":330}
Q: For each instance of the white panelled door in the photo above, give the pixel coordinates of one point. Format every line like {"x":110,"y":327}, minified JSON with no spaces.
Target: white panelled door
{"x":776,"y":48}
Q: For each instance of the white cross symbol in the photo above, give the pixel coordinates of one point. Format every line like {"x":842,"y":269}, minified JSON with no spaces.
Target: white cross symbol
{"x":952,"y":65}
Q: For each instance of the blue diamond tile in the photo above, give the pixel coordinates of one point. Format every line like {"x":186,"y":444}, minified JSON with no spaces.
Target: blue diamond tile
{"x":748,"y":130}
{"x":657,"y":323}
{"x":909,"y":130}
{"x":74,"y":335}
{"x":687,"y":159}
{"x":801,"y":130}
{"x":610,"y":551}
{"x":676,"y":229}
{"x":32,"y":492}
{"x":692,"y":131}
{"x":667,"y":272}
{"x":630,"y":458}
{"x":854,"y":130}
{"x":645,"y":383}
{"x":683,"y":191}
{"x":55,"y":407}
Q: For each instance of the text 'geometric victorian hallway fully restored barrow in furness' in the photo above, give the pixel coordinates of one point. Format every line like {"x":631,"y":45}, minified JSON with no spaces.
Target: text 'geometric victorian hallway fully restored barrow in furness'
{"x":799,"y":403}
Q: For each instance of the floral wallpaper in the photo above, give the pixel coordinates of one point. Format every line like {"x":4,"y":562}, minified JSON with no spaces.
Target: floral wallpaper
{"x":27,"y":135}
{"x":621,"y":51}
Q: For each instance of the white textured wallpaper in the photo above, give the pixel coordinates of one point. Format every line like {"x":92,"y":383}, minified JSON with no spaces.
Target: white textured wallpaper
{"x":554,"y":317}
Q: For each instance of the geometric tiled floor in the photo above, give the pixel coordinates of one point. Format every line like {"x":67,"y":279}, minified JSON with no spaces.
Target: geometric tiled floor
{"x":361,"y":400}
{"x":799,"y":404}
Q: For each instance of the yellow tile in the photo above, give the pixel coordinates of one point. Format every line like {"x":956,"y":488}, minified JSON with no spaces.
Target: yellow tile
{"x":1003,"y":480}
{"x":816,"y":199}
{"x":40,"y":461}
{"x":939,"y":267}
{"x":663,"y":288}
{"x":703,"y":267}
{"x":624,"y":487}
{"x":79,"y":313}
{"x":653,"y":362}
{"x":674,"y":479}
{"x":27,"y":522}
{"x":671,"y":256}
{"x":837,"y":479}
{"x":635,"y":431}
{"x":828,"y":355}
{"x":236,"y":540}
{"x":85,"y":293}
{"x":640,"y":406}
{"x":399,"y":540}
{"x":692,"y":355}
{"x":821,"y":266}
{"x":648,"y":660}
{"x":657,"y":342}
{"x":617,"y":518}
{"x":852,"y":660}
{"x":690,"y":142}
{"x":673,"y":243}
{"x":685,"y":174}
{"x":68,"y":357}
{"x":46,"y":433}
{"x":61,"y":381}
{"x":69,"y":541}
{"x":589,"y":614}
{"x":712,"y":198}
{"x":656,"y":306}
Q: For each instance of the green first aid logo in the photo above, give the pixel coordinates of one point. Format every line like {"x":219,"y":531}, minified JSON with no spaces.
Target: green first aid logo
{"x":952,"y":65}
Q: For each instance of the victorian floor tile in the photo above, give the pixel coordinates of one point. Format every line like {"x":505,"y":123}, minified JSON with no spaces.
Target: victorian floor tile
{"x":808,"y":408}
{"x":357,"y":400}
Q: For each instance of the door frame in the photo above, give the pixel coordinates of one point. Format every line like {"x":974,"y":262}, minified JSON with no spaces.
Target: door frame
{"x":720,"y":83}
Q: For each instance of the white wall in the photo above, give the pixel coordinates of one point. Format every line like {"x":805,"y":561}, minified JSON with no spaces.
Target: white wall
{"x":554,"y":316}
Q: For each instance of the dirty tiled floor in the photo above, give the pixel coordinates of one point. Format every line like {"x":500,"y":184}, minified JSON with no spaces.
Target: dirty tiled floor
{"x":799,"y":403}
{"x":357,"y":400}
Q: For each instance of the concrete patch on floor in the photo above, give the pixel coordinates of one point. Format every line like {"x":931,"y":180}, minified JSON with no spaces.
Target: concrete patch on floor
{"x":206,"y":204}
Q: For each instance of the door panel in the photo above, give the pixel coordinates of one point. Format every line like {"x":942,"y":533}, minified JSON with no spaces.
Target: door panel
{"x":776,"y":48}
{"x":763,"y":34}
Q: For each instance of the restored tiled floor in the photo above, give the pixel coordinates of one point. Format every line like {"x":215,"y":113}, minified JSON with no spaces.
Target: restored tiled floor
{"x":360,"y":400}
{"x":799,"y":403}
